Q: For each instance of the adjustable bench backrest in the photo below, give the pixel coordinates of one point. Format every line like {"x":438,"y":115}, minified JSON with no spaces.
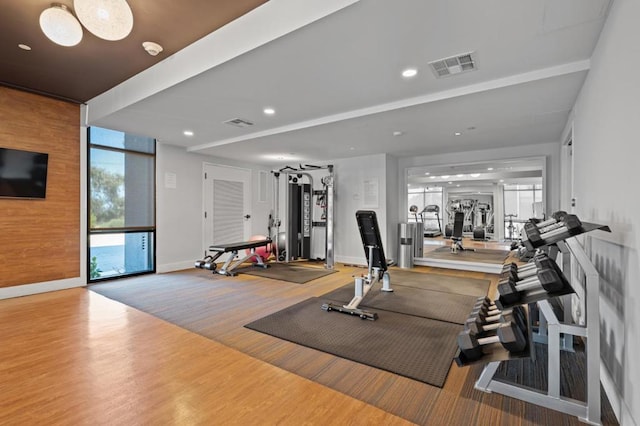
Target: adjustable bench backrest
{"x":370,"y":234}
{"x":458,"y":223}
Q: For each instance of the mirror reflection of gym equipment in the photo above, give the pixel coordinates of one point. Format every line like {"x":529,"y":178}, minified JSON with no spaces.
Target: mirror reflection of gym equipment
{"x":477,"y":213}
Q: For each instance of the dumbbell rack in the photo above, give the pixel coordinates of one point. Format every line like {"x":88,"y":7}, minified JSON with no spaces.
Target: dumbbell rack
{"x":589,"y":410}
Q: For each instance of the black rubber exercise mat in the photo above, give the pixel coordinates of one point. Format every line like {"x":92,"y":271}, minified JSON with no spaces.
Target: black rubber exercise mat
{"x":438,"y":305}
{"x":410,"y":346}
{"x":438,"y":282}
{"x":291,"y":272}
{"x":479,"y":255}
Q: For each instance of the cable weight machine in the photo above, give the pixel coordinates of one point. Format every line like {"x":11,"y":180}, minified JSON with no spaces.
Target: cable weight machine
{"x":300,"y":200}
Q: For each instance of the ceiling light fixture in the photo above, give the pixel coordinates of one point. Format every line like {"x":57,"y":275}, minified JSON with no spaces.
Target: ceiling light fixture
{"x":60,"y":26}
{"x":475,"y":175}
{"x":269,"y":111}
{"x":409,"y":72}
{"x":460,"y":175}
{"x":432,"y":177}
{"x":24,"y":46}
{"x":445,"y":176}
{"x":398,"y":133}
{"x":187,"y":133}
{"x":457,"y":133}
{"x":107,"y":19}
{"x":427,"y":173}
{"x":489,"y":168}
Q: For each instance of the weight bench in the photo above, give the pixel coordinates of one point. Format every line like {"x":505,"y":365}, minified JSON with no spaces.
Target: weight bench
{"x":456,"y":236}
{"x":377,"y":266}
{"x":233,"y":261}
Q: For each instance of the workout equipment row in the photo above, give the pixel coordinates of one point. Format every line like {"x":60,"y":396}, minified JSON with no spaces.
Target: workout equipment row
{"x":495,"y":333}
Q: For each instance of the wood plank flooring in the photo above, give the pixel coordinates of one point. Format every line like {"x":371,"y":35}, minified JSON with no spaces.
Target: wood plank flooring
{"x":74,"y":357}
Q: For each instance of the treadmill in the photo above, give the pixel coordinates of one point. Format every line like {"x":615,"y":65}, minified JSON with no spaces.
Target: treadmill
{"x":432,"y":232}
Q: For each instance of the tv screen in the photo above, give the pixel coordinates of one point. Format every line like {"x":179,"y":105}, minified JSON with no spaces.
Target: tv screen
{"x":23,"y":174}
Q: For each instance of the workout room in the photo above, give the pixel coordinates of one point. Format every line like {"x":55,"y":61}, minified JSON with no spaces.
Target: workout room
{"x":285,"y":212}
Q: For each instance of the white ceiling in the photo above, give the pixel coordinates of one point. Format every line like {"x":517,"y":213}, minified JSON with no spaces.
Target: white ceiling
{"x":337,"y":90}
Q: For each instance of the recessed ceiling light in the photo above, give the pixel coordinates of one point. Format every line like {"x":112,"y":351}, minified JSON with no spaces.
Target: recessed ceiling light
{"x":501,"y":180}
{"x":460,"y":175}
{"x":24,"y":46}
{"x":450,"y":183}
{"x":475,"y":175}
{"x":269,"y":111}
{"x":457,"y":133}
{"x":444,"y":176}
{"x":489,"y":168}
{"x":427,"y":173}
{"x":409,"y":72}
{"x":432,"y":177}
{"x":353,"y":148}
{"x":398,"y":133}
{"x":458,"y":185}
{"x":188,"y":133}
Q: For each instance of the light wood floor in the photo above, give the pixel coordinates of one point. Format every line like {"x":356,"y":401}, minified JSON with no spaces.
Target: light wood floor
{"x":75,"y":357}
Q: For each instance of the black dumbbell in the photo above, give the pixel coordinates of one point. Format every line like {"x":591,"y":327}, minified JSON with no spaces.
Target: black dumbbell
{"x":555,"y":218}
{"x":547,"y":279}
{"x":508,"y":334}
{"x":538,"y":264}
{"x":484,"y":316}
{"x":517,"y":315}
{"x":535,"y":236}
{"x":526,"y":267}
{"x":485,"y":310}
{"x":200,"y":263}
{"x":486,"y":307}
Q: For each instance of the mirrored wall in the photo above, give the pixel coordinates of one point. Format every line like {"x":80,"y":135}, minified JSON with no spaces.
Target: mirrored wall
{"x":497,"y":198}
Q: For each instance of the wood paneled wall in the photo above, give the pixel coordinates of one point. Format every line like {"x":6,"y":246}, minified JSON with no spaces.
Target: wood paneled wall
{"x":40,"y":239}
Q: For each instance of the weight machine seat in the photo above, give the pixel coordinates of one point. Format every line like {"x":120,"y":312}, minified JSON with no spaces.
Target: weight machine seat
{"x":370,"y":234}
{"x":231,"y":247}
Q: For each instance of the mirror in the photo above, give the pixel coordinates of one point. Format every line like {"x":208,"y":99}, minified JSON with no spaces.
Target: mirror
{"x":497,"y":197}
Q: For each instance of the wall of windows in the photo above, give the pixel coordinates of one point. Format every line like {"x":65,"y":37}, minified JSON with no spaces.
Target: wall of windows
{"x":521,"y":202}
{"x":121,"y":187}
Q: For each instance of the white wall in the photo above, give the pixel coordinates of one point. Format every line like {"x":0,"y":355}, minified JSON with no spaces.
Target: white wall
{"x":606,"y":189}
{"x":351,"y":173}
{"x":394,"y":200}
{"x":179,"y":210}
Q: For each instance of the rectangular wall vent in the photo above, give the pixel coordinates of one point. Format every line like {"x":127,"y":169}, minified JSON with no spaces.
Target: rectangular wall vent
{"x":238,"y":122}
{"x":454,"y":65}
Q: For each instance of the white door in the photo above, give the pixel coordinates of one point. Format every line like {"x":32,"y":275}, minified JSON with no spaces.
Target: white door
{"x":227,"y":204}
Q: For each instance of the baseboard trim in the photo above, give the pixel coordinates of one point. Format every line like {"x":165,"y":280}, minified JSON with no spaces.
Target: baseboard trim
{"x":43,"y":287}
{"x":176,"y":266}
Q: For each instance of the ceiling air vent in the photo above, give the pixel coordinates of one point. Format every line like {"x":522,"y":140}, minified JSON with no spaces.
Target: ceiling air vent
{"x":238,"y":122}
{"x":454,"y":65}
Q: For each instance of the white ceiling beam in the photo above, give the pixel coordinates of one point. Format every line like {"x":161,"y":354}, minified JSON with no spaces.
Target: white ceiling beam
{"x":540,"y":74}
{"x":266,"y":23}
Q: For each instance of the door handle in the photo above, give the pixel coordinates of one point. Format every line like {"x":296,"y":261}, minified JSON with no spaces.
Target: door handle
{"x":247,"y":216}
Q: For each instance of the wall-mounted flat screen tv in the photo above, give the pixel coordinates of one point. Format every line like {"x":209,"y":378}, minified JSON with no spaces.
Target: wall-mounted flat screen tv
{"x":23,"y":174}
